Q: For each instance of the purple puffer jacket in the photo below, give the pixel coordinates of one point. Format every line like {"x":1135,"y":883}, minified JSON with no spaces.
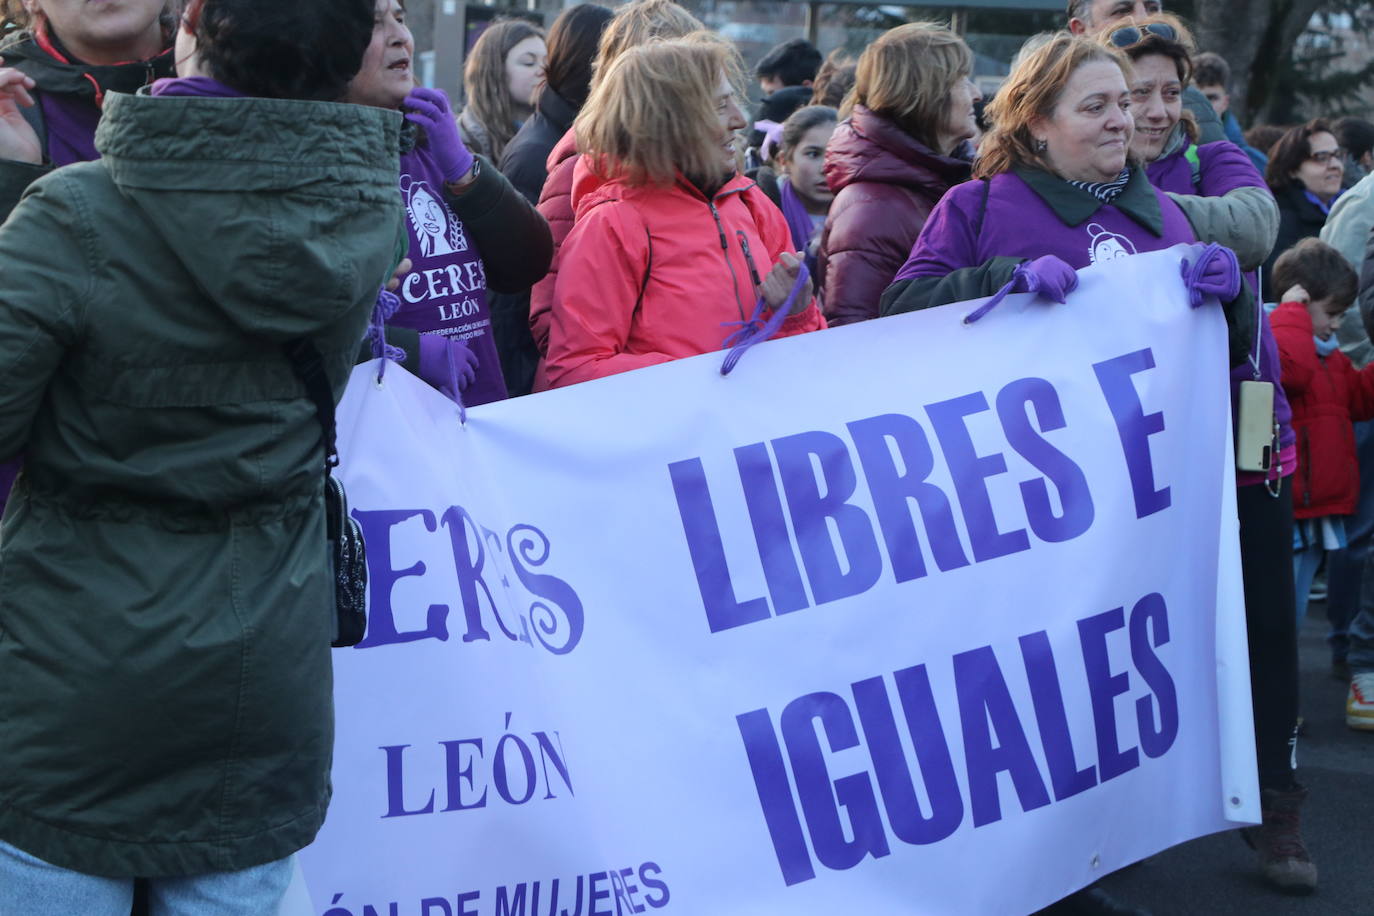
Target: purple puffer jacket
{"x":1223,"y":167}
{"x":885,"y":183}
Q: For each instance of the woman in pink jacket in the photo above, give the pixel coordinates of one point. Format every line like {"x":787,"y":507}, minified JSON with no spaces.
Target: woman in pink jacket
{"x":671,"y":242}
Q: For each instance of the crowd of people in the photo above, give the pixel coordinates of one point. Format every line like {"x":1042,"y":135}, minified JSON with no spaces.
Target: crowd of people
{"x":190,"y":190}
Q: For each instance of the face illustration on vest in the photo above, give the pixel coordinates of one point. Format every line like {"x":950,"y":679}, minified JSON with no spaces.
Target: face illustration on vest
{"x":1107,"y":245}
{"x":437,"y":229}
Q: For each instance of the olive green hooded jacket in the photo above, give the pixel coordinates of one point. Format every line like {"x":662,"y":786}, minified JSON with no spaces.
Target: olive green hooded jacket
{"x":166,"y":604}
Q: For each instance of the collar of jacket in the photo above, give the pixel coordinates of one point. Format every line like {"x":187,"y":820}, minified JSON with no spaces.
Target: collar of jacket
{"x":1074,"y":206}
{"x":27,"y":53}
{"x":1294,"y":195}
{"x":870,"y":147}
{"x":766,"y":177}
{"x":188,"y":143}
{"x":1176,"y":144}
{"x":558,"y":110}
{"x":737,"y":184}
{"x":1291,"y":315}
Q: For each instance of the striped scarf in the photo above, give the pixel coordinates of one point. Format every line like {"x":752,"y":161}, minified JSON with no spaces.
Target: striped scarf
{"x":1105,"y":191}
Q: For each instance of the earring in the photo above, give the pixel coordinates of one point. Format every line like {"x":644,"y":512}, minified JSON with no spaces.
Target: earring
{"x":1041,"y":146}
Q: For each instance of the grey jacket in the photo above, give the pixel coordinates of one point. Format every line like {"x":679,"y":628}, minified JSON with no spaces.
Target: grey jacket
{"x":1246,"y":220}
{"x":1347,"y":230}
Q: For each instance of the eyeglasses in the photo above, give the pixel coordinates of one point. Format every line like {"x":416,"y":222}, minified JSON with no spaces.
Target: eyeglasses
{"x":1128,"y":35}
{"x":1326,"y":156}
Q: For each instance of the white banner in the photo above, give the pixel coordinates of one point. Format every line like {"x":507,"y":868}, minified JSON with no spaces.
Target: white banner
{"x":903,"y":617}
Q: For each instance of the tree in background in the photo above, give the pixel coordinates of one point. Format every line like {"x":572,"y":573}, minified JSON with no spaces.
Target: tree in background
{"x":1286,"y":55}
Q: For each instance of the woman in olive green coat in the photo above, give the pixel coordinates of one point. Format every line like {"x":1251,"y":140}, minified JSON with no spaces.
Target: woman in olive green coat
{"x":166,"y":605}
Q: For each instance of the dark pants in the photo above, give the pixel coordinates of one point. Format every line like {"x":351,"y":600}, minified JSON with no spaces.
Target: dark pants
{"x":1345,"y":568}
{"x":1266,"y":559}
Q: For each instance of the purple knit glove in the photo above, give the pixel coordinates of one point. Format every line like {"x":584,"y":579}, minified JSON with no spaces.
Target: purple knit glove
{"x":429,"y":109}
{"x":447,"y":363}
{"x":1211,"y":270}
{"x":1047,"y":275}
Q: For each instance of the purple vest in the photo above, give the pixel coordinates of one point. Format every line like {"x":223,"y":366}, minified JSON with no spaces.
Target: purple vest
{"x":446,"y":289}
{"x":70,"y":122}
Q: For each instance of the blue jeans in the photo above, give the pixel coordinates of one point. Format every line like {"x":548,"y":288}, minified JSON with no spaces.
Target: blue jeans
{"x":33,"y":887}
{"x":1361,"y":653}
{"x":1345,"y":568}
{"x":1306,"y":562}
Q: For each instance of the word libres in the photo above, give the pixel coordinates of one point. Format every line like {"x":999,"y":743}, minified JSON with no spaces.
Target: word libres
{"x":896,"y":456}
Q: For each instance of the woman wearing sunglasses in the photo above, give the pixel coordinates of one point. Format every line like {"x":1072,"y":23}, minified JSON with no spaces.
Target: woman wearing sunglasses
{"x":1305,"y":169}
{"x":1160,"y":50}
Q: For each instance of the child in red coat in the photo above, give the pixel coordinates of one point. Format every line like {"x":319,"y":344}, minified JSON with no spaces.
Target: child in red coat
{"x":1326,"y":393}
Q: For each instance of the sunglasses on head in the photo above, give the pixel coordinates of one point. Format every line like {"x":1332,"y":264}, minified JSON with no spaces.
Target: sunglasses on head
{"x":1128,"y":35}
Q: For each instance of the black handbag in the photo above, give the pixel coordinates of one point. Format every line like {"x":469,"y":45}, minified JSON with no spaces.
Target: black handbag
{"x":347,"y":550}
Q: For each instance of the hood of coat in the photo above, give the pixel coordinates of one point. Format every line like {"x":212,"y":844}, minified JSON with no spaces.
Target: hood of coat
{"x":1291,"y":315}
{"x":252,"y":194}
{"x":869,"y":147}
{"x":559,"y":112}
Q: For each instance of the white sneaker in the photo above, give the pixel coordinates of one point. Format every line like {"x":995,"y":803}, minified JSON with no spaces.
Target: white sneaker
{"x":1359,"y":703}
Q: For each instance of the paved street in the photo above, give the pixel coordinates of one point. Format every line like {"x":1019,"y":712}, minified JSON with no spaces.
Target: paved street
{"x":1217,"y":874}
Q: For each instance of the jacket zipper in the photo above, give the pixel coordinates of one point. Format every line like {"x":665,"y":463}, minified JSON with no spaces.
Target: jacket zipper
{"x":725,"y":253}
{"x":749,"y":258}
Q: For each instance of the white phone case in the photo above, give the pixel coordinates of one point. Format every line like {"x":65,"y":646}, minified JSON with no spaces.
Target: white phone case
{"x":1255,"y":440}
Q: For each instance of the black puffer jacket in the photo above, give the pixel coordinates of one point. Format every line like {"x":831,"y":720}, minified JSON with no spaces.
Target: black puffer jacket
{"x":524,"y":160}
{"x":1299,"y":218}
{"x":524,"y":163}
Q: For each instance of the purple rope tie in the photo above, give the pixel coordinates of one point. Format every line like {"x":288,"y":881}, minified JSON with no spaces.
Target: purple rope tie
{"x":993,"y":301}
{"x":453,"y":384}
{"x":386,"y":306}
{"x":748,"y":333}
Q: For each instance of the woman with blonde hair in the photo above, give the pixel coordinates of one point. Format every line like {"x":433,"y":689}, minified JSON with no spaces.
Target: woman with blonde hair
{"x":503,"y":71}
{"x":910,"y":115}
{"x":633,"y":25}
{"x":671,"y":242}
{"x":1058,"y":191}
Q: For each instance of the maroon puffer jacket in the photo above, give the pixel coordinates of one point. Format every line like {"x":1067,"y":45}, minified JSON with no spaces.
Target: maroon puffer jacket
{"x":555,"y":203}
{"x":885,"y":183}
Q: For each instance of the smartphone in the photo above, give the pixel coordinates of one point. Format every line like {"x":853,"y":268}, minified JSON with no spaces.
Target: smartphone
{"x":1255,"y":426}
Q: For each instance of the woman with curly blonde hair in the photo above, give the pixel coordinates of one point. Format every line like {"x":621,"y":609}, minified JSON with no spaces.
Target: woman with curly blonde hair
{"x":1058,"y":191}
{"x":671,"y":241}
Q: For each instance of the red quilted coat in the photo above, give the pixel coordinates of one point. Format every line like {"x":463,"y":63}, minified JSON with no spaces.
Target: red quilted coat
{"x":555,"y":203}
{"x":1326,"y":394}
{"x":885,"y":183}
